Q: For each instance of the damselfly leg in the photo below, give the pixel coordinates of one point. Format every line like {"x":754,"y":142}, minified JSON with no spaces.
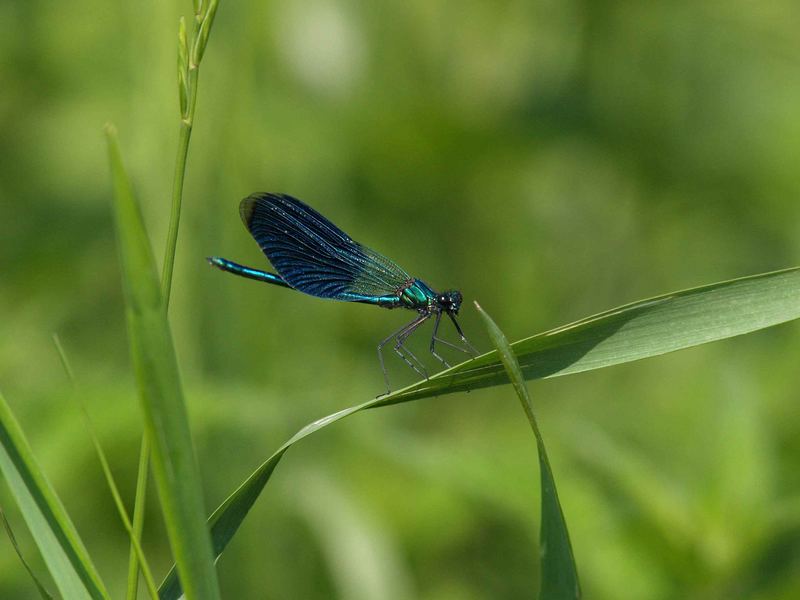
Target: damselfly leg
{"x":399,"y":337}
{"x":470,"y":348}
{"x":467,"y":348}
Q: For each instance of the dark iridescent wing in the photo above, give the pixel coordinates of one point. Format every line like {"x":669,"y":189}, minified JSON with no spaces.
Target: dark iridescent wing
{"x":313,"y":255}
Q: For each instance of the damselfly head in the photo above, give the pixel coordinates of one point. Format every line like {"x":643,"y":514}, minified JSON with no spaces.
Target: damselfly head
{"x":449,"y":301}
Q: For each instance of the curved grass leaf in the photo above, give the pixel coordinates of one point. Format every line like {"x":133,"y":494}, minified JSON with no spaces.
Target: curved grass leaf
{"x":639,"y":330}
{"x":59,"y":543}
{"x":12,"y":538}
{"x":559,"y":578}
{"x":631,"y":332}
{"x":166,"y":422}
{"x":106,"y":467}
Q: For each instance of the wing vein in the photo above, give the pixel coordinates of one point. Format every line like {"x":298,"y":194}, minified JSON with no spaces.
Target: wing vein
{"x":313,"y":255}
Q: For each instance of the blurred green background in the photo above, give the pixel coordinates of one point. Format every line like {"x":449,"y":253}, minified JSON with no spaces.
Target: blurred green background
{"x":550,"y":159}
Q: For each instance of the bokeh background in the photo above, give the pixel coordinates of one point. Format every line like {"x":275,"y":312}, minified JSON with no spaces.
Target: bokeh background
{"x":550,"y":159}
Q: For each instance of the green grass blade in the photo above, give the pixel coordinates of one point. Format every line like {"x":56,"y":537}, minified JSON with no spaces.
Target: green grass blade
{"x":639,"y":330}
{"x":52,"y":530}
{"x":121,"y":510}
{"x":631,"y":332}
{"x":104,"y":464}
{"x":63,"y":356}
{"x":39,"y":585}
{"x":176,"y":474}
{"x":559,"y":579}
{"x":138,"y":518}
{"x":225,"y":521}
{"x":188,"y":73}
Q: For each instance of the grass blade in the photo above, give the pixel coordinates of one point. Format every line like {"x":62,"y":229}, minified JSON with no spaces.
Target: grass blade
{"x":225,"y":521}
{"x":559,"y":574}
{"x":64,"y":362}
{"x":104,"y":464}
{"x":188,"y":73}
{"x":55,"y":535}
{"x":174,"y":465}
{"x":631,"y":332}
{"x":39,"y":586}
{"x":121,"y":510}
{"x":137,"y":526}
